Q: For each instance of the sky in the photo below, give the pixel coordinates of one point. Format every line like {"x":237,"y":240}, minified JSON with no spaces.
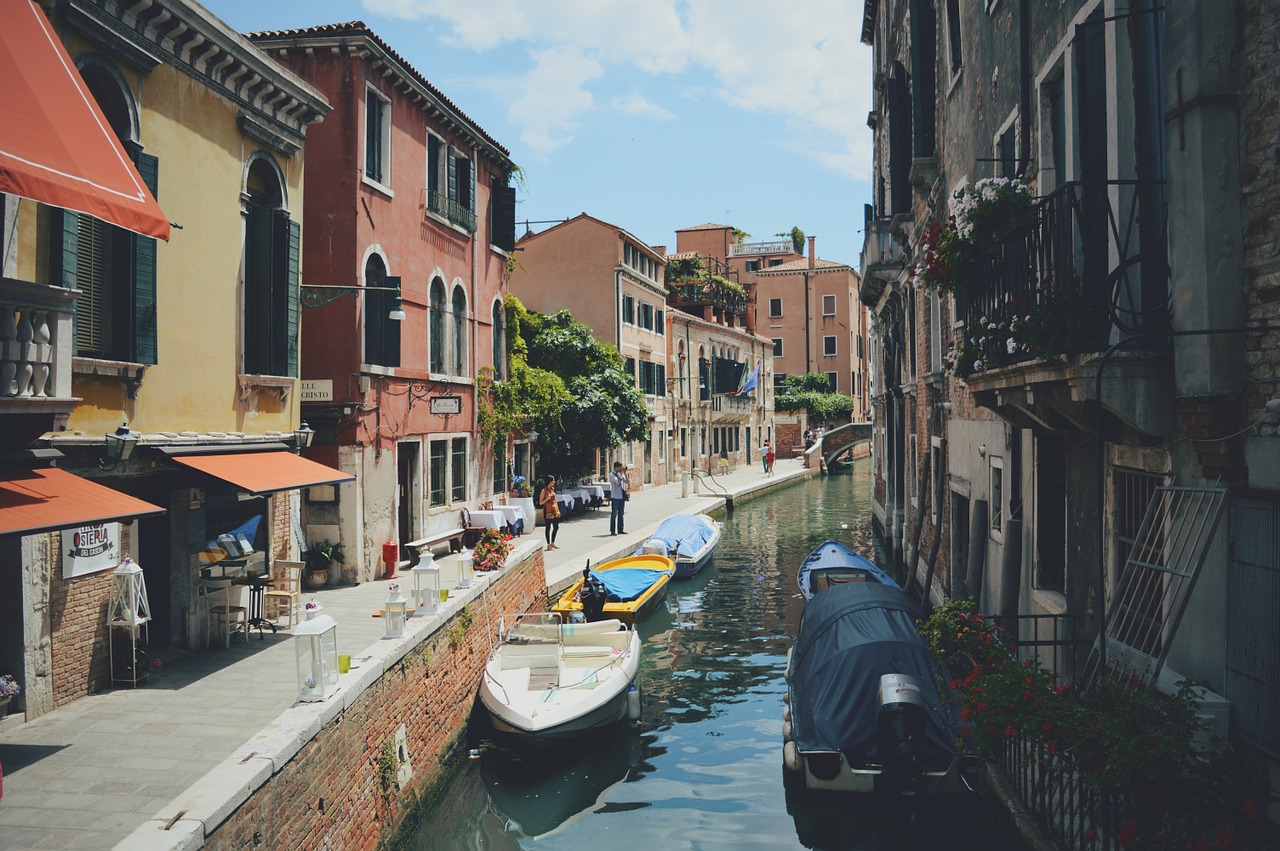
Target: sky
{"x":652,"y":115}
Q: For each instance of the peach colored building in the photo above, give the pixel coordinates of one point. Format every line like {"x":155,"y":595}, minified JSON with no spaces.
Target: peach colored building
{"x":612,"y":282}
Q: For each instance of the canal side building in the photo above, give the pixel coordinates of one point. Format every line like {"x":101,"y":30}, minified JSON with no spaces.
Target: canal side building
{"x":612,"y":282}
{"x":1113,"y":343}
{"x":166,"y":336}
{"x":410,"y":218}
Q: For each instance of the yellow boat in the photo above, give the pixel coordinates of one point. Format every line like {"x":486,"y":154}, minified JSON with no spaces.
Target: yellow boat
{"x":633,"y":586}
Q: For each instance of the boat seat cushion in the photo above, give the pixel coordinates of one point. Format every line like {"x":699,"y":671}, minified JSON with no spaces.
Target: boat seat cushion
{"x":530,"y":660}
{"x":571,"y":652}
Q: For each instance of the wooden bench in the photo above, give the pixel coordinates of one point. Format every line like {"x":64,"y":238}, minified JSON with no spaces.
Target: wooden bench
{"x":453,"y":537}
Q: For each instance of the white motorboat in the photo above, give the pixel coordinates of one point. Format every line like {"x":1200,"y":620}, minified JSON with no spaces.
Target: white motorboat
{"x":688,"y":539}
{"x":547,"y":679}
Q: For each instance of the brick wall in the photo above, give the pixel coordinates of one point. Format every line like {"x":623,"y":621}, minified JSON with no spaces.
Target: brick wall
{"x":431,"y":692}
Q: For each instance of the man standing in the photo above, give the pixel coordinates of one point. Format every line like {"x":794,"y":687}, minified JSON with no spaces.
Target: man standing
{"x":617,"y":498}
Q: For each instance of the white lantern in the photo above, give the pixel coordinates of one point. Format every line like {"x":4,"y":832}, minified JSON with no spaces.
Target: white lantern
{"x":424,"y":598}
{"x":129,"y":604}
{"x":316,"y":646}
{"x":394,"y":612}
{"x":465,"y":571}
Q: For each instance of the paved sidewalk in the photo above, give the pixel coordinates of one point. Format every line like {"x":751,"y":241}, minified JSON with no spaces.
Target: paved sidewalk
{"x":85,"y":776}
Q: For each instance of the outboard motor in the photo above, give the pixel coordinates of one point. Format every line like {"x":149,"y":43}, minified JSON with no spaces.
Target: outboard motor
{"x":899,"y":731}
{"x":593,"y":596}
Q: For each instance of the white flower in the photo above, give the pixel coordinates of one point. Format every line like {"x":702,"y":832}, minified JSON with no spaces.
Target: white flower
{"x":1011,"y":345}
{"x":977,"y":365}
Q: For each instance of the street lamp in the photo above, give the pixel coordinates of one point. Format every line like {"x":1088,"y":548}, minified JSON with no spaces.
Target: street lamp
{"x":120,"y":446}
{"x":319,"y":295}
{"x":303,"y":435}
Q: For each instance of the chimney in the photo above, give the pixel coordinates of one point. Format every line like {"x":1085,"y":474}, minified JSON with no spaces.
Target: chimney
{"x":660,"y":249}
{"x":812,"y":250}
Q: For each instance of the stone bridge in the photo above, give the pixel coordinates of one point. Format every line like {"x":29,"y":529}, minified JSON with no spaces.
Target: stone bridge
{"x":841,"y":439}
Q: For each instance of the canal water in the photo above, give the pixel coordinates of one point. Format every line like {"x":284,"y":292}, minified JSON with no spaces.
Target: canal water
{"x":704,"y":768}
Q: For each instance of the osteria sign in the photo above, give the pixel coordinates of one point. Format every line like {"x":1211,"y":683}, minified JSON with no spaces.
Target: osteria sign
{"x":89,"y":549}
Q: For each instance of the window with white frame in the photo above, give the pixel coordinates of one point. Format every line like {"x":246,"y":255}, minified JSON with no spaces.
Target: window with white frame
{"x":828,"y":305}
{"x":779,"y":382}
{"x":377,"y":137}
{"x":775,"y":308}
{"x":777,"y":347}
{"x":629,"y":309}
{"x":829,"y":346}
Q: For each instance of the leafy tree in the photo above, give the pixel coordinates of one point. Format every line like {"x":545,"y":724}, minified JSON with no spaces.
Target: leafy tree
{"x":600,"y":407}
{"x":811,"y":392}
{"x":797,"y":238}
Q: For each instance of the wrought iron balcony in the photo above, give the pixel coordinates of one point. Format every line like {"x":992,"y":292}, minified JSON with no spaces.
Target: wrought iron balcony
{"x":442,"y":205}
{"x":700,"y":281}
{"x":1087,"y":263}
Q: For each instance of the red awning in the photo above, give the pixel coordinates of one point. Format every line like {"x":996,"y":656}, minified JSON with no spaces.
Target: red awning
{"x":264,"y":472}
{"x":49,"y":498}
{"x":56,"y":146}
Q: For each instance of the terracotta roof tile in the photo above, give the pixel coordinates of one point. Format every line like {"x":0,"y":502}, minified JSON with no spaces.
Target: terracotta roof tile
{"x":707,"y":226}
{"x":803,"y":264}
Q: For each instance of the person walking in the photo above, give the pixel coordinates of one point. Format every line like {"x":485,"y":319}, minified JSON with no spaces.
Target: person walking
{"x":769,"y":457}
{"x":550,"y":512}
{"x":764,"y":456}
{"x":618,"y":497}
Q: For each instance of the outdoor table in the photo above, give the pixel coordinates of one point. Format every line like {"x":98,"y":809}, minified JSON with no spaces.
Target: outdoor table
{"x":488,"y":519}
{"x":565,"y":502}
{"x":257,"y":585}
{"x":514,"y":515}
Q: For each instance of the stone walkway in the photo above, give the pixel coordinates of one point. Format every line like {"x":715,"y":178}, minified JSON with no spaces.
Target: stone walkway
{"x":85,"y":776}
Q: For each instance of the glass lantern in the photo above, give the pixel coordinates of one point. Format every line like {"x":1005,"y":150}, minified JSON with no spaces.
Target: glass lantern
{"x":129,"y":604}
{"x":394,"y":612}
{"x":316,"y":646}
{"x":466,"y":573}
{"x":424,"y":598}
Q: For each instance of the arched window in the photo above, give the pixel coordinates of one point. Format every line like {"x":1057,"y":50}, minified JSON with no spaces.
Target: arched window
{"x":499,"y":340}
{"x":435,"y":330}
{"x":270,"y":274}
{"x":459,"y":308}
{"x":381,"y":332}
{"x":114,"y":269}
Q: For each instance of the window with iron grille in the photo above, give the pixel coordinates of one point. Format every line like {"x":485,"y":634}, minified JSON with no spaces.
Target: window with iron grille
{"x":438,"y":492}
{"x":458,"y":474}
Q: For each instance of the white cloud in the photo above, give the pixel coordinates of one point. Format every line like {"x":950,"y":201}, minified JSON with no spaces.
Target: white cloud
{"x":801,"y":63}
{"x":638,"y":105}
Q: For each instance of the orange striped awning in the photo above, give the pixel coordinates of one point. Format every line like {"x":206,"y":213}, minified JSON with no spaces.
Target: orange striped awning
{"x":49,"y":498}
{"x":264,"y":472}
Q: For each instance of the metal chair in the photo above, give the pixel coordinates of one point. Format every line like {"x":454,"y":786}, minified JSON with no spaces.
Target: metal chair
{"x":215,"y":594}
{"x":284,"y":595}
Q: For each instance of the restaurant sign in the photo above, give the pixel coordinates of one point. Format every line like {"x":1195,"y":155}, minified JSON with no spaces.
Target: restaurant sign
{"x":89,"y":549}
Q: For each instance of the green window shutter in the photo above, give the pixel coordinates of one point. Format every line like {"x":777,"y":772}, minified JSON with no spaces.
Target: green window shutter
{"x":292,"y":287}
{"x":391,"y":332}
{"x":257,"y":290}
{"x":145,"y":347}
{"x":504,"y":214}
{"x":64,"y":259}
{"x":453,"y":173}
{"x":471,"y":198}
{"x":282,"y":337}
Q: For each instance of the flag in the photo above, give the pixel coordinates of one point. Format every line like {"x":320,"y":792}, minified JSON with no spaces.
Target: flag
{"x":751,"y":383}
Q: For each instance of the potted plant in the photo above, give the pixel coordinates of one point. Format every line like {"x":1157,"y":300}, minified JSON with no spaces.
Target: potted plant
{"x":319,"y":556}
{"x":522,"y":495}
{"x":491,"y":551}
{"x":9,"y":689}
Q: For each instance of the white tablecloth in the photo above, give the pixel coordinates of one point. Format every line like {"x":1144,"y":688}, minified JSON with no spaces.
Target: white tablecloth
{"x":488,"y":519}
{"x":596,"y":491}
{"x":512,"y":514}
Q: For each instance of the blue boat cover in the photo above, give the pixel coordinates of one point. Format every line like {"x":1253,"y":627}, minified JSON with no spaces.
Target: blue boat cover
{"x":628,"y":583}
{"x":688,"y":533}
{"x":835,"y":555}
{"x":850,"y":635}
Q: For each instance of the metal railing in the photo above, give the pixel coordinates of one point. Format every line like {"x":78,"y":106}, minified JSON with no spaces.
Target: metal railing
{"x":1092,"y":261}
{"x":776,"y":246}
{"x":442,"y":205}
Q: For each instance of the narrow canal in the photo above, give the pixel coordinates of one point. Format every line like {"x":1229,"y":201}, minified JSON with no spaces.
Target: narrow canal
{"x":704,"y":769}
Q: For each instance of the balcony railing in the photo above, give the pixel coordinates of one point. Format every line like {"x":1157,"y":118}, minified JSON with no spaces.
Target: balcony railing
{"x":442,"y":205}
{"x":776,"y":246}
{"x":880,"y":251}
{"x":35,"y":341}
{"x":1089,"y":267}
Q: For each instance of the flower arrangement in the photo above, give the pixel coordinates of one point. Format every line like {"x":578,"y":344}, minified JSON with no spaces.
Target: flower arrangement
{"x":9,"y":686}
{"x":1036,"y":328}
{"x":520,"y":486}
{"x":986,"y":208}
{"x":491,"y":550}
{"x":309,"y":682}
{"x":1131,"y":741}
{"x":943,"y":256}
{"x":311,"y":606}
{"x":393,"y":588}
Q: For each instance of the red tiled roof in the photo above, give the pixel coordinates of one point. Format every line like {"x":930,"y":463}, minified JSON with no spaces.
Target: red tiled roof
{"x":682,"y":255}
{"x":802,"y":264}
{"x":360,"y":29}
{"x":707,"y":226}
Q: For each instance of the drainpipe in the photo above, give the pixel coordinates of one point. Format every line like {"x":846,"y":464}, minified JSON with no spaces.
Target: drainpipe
{"x":808,"y":326}
{"x":1024,"y":83}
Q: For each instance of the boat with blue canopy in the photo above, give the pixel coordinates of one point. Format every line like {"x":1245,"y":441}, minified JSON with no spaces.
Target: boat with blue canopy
{"x":689,"y":539}
{"x":832,"y":563}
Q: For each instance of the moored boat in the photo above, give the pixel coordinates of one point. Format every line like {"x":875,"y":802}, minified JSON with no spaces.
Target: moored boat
{"x":548,"y":680}
{"x":863,"y":712}
{"x":689,"y":539}
{"x":627,"y":588}
{"x":832,"y":563}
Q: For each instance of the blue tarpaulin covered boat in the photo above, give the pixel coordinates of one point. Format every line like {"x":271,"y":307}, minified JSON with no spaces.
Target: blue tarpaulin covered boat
{"x":863,"y":708}
{"x":689,"y":539}
{"x":832,"y":563}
